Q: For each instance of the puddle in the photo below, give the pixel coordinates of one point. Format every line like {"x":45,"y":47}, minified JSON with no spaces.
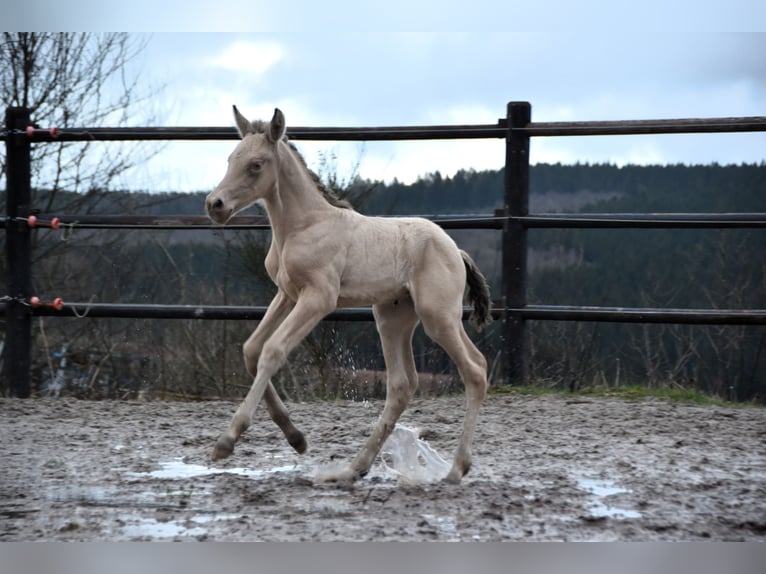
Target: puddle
{"x":327,"y":506}
{"x":404,"y":456}
{"x":139,"y":526}
{"x":446,"y":525}
{"x":601,"y":489}
{"x":153,"y":528}
{"x":205,"y":518}
{"x":178,"y":469}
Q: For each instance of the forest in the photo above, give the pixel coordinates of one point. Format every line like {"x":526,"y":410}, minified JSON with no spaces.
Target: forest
{"x":632,"y":268}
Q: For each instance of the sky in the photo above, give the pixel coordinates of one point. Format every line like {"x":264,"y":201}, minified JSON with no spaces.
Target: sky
{"x":374,"y":64}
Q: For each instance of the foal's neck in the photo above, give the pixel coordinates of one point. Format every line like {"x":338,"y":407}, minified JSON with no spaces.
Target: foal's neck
{"x":296,"y":201}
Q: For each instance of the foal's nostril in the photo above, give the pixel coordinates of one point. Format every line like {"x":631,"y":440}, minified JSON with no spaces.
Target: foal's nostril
{"x":215,"y":204}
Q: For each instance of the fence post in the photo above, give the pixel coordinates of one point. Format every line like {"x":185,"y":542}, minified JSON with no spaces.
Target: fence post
{"x":514,"y":282}
{"x":18,"y":343}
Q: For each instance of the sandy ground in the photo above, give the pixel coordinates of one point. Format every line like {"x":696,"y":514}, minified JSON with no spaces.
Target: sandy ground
{"x":545,"y":468}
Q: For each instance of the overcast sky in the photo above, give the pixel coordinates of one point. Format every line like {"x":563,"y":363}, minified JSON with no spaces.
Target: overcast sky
{"x":365,"y":67}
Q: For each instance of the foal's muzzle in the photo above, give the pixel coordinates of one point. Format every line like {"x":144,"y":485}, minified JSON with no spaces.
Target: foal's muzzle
{"x":216,"y":210}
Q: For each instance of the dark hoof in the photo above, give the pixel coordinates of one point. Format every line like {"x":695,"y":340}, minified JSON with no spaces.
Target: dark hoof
{"x":298,"y":442}
{"x":223,"y":448}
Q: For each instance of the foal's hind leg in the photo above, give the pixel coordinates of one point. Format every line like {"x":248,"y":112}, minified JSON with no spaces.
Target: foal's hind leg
{"x":396,"y":323}
{"x":446,"y":328}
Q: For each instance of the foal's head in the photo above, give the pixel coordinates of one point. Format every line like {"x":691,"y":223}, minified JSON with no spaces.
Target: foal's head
{"x":253,"y":167}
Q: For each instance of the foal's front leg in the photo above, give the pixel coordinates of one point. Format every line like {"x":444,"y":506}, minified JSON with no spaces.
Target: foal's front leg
{"x":278,"y":309}
{"x":303,"y":317}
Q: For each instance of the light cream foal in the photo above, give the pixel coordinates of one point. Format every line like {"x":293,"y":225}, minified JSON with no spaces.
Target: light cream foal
{"x":324,"y":255}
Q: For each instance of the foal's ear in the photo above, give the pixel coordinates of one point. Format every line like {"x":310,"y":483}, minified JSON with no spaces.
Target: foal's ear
{"x":277,"y":126}
{"x":244,"y":126}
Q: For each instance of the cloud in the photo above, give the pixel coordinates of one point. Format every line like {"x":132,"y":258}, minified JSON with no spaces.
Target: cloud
{"x":252,"y":57}
{"x":368,"y":79}
{"x":409,"y":160}
{"x":464,"y":113}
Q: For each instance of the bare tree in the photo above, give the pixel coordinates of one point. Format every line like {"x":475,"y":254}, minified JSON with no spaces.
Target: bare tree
{"x":75,"y":80}
{"x":71,"y":80}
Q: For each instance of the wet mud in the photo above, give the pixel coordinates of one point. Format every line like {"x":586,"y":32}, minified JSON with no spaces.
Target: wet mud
{"x":545,"y":468}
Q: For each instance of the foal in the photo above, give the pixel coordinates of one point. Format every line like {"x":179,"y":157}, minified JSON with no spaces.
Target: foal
{"x":324,"y":255}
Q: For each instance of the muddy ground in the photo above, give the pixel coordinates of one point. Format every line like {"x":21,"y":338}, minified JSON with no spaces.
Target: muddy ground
{"x":545,"y":468}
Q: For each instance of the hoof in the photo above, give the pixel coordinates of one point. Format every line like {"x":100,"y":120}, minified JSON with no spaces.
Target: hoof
{"x":345,"y":477}
{"x":298,"y":442}
{"x":456,"y":475}
{"x":453,"y":478}
{"x":223,"y":448}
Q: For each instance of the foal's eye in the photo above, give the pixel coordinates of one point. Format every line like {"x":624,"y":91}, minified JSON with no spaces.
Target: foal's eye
{"x":255,"y":166}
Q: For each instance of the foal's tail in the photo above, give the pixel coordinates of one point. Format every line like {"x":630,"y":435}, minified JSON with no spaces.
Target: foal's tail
{"x":478,"y":292}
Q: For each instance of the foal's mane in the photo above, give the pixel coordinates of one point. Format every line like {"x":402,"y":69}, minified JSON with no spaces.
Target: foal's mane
{"x":329,"y":195}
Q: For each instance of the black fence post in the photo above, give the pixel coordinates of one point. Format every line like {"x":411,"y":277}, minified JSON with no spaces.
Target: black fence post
{"x":18,"y":334}
{"x":514,"y":280}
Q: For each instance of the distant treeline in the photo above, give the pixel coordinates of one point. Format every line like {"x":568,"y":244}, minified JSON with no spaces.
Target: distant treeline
{"x":679,"y":188}
{"x":641,"y":188}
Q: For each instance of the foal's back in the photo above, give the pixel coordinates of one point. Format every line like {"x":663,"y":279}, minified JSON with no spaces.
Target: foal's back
{"x":384,"y":256}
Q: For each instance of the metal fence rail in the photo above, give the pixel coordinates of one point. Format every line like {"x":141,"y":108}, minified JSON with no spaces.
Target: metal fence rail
{"x":469,"y":221}
{"x":514,"y":220}
{"x":536,"y":312}
{"x":395,"y":133}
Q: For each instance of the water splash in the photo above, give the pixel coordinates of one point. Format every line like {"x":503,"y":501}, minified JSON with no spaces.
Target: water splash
{"x":411,"y":459}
